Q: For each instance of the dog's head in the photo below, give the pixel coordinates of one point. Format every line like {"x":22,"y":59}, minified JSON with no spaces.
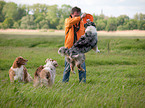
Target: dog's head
{"x":51,"y":61}
{"x":90,"y":28}
{"x":89,"y":23}
{"x":63,"y":51}
{"x":20,"y":61}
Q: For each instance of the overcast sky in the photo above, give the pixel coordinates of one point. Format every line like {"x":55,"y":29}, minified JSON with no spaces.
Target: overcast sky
{"x":108,"y":7}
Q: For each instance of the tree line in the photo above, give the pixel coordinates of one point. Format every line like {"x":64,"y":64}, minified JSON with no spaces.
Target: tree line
{"x":42,"y":16}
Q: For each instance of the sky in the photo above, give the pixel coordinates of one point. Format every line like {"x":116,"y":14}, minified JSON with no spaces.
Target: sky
{"x":109,"y":8}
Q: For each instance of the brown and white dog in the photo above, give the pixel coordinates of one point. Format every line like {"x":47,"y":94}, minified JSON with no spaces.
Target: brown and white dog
{"x":45,"y":75}
{"x":18,"y":71}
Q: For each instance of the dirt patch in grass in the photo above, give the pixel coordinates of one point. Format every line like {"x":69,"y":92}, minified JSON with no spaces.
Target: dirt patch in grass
{"x":101,"y":33}
{"x":122,"y":33}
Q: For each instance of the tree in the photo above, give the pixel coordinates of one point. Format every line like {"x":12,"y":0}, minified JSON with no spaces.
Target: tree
{"x":2,"y":3}
{"x":39,"y":12}
{"x":27,"y":22}
{"x":122,"y":27}
{"x":53,"y":16}
{"x":63,"y":13}
{"x":132,"y":24}
{"x":98,"y":17}
{"x":139,"y":16}
{"x":16,"y":25}
{"x":36,"y":9}
{"x":142,"y":16}
{"x":111,"y":24}
{"x":141,"y":25}
{"x":101,"y":24}
{"x":26,"y":8}
{"x":8,"y":23}
{"x":122,"y":19}
{"x":39,"y":18}
{"x":21,"y":12}
{"x":43,"y":24}
{"x":10,"y":10}
{"x":136,"y":16}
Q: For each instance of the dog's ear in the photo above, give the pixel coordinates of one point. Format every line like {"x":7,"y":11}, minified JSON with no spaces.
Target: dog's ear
{"x":88,"y":33}
{"x":51,"y":60}
{"x":46,"y":60}
{"x":18,"y":61}
{"x":89,"y":24}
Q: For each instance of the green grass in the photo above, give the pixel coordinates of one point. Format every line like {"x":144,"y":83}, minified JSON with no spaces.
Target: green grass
{"x":115,"y":79}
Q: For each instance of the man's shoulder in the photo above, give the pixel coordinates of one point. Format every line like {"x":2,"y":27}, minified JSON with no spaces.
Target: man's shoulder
{"x":67,"y":19}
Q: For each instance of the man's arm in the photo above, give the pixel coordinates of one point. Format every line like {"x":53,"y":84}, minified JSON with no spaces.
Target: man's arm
{"x":69,"y":22}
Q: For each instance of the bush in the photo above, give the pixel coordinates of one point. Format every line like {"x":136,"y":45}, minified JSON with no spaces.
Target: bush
{"x":43,"y":24}
{"x":141,"y":25}
{"x":1,"y":26}
{"x":132,"y":24}
{"x":8,"y":23}
{"x":101,"y":25}
{"x":111,"y":24}
{"x":27,"y":22}
{"x":122,"y":27}
{"x":16,"y":25}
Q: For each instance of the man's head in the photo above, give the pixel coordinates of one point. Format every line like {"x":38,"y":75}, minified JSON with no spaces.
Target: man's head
{"x":75,"y":12}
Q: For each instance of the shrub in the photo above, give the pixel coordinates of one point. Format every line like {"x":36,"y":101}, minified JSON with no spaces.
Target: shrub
{"x":8,"y":23}
{"x":16,"y":25}
{"x":111,"y":24}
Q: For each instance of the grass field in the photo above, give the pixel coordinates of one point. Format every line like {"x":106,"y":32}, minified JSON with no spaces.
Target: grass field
{"x":115,"y":77}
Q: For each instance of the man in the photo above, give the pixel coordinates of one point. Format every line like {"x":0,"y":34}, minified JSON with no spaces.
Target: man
{"x":74,"y":29}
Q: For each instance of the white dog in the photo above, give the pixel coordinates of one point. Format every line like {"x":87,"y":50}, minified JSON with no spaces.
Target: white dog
{"x":45,"y":74}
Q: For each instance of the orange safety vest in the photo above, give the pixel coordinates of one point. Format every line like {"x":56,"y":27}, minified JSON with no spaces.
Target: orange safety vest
{"x":69,"y":30}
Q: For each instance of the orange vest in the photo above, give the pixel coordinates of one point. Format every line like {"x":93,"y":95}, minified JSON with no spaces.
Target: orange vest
{"x":69,"y":30}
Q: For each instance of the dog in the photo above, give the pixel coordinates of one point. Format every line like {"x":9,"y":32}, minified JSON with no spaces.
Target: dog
{"x":19,"y":72}
{"x":87,"y":41}
{"x":74,"y":60}
{"x":92,"y":29}
{"x":45,"y":75}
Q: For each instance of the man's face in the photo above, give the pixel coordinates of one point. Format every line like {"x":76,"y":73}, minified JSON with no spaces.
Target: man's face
{"x":76,"y":14}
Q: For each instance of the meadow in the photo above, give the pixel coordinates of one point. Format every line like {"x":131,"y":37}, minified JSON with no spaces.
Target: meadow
{"x":115,"y":76}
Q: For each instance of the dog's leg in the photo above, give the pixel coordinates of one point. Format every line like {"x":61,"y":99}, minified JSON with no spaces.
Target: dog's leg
{"x":44,"y":82}
{"x":44,"y":78}
{"x":36,"y":81}
{"x":11,"y":75}
{"x":80,"y":68}
{"x":27,"y":77}
{"x":30,"y":78}
{"x":74,"y":56}
{"x":96,"y":49}
{"x":72,"y":67}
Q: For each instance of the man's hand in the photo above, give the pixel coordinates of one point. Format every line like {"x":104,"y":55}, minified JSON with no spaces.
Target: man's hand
{"x":83,"y":15}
